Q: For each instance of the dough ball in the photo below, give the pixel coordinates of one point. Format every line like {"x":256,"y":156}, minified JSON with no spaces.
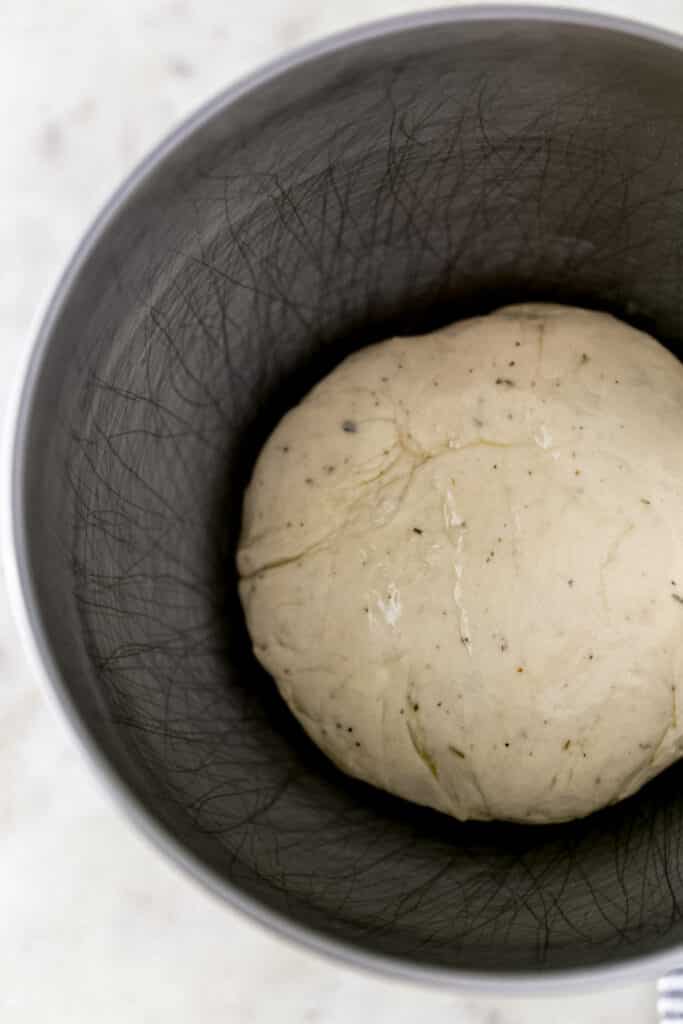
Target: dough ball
{"x":461,"y":561}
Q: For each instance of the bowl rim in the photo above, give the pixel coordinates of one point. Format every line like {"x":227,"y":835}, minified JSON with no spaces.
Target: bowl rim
{"x":14,"y":549}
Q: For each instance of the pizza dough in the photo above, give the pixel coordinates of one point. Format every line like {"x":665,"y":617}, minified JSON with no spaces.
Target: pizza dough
{"x":462,"y":563}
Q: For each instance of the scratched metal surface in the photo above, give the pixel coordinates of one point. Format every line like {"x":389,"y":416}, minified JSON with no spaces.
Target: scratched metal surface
{"x":393,"y":185}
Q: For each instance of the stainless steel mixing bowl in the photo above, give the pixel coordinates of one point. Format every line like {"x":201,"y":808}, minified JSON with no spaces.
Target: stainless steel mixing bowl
{"x":384,"y":181}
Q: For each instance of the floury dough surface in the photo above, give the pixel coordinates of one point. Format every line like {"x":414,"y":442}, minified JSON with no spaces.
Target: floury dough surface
{"x":461,"y":561}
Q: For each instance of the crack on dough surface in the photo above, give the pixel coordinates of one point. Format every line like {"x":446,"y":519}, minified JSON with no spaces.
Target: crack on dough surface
{"x":610,"y":558}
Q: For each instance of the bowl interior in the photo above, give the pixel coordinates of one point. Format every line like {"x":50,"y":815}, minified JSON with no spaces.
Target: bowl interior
{"x":400,"y":181}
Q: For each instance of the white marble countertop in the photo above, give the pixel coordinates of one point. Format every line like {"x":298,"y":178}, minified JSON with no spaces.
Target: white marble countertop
{"x":102,"y":928}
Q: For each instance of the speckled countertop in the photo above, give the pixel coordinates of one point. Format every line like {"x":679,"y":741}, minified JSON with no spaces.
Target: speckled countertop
{"x":96,"y":925}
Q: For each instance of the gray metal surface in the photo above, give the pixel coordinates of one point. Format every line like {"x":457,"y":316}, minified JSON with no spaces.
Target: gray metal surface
{"x":388,"y":181}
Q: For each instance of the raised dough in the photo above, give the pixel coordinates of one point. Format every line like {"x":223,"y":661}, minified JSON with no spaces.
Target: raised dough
{"x":461,"y":561}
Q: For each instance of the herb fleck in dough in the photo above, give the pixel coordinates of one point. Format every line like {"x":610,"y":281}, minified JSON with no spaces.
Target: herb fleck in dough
{"x":459,"y":561}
